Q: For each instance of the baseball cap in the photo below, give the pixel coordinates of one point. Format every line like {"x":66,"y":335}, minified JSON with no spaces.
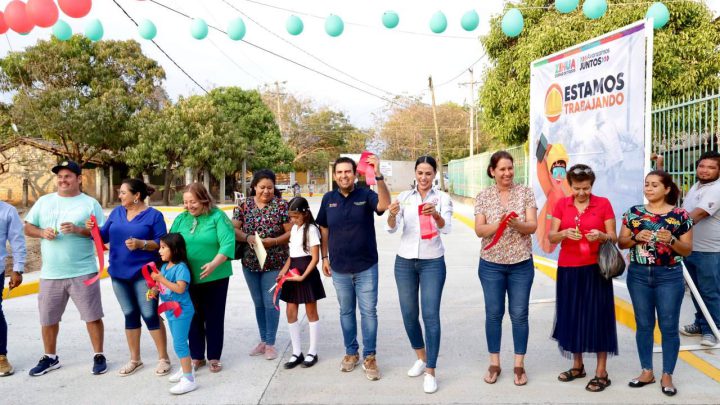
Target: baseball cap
{"x":69,"y":165}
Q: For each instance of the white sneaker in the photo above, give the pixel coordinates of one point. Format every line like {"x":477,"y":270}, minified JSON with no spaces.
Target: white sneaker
{"x":176,"y":377}
{"x":183,"y":387}
{"x":417,"y":369}
{"x":430,"y":384}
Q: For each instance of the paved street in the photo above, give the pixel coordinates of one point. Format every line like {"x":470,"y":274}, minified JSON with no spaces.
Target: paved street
{"x":252,"y":380}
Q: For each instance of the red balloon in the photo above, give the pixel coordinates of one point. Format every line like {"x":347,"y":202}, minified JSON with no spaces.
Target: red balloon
{"x":75,"y":8}
{"x":43,"y":13}
{"x":3,"y":25}
{"x":16,"y":17}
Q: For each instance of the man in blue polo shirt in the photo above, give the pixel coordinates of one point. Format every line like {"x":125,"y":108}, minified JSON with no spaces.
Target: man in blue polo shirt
{"x":348,"y":234}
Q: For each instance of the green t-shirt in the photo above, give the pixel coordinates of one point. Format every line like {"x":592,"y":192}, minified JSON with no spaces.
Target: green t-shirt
{"x":212,"y":234}
{"x":71,"y":255}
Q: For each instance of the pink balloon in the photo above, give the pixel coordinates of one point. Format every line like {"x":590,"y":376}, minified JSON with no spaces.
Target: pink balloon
{"x":75,"y":8}
{"x":44,"y":13}
{"x":3,"y":25}
{"x":16,"y":17}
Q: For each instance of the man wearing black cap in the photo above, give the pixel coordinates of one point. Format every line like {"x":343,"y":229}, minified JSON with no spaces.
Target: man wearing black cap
{"x":68,"y":259}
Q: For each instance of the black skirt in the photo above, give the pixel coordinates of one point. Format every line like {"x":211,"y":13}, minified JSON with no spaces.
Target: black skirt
{"x":584,"y":312}
{"x":309,"y":290}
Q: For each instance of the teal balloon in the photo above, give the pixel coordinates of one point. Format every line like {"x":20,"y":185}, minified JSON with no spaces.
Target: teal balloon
{"x":236,"y":29}
{"x":334,"y":25}
{"x":147,"y":29}
{"x":438,"y":23}
{"x":61,"y":30}
{"x":566,"y":6}
{"x":659,"y":13}
{"x":512,"y":23}
{"x":294,"y":25}
{"x":470,"y":20}
{"x":94,"y":30}
{"x":390,"y":19}
{"x":199,"y":28}
{"x":594,"y":9}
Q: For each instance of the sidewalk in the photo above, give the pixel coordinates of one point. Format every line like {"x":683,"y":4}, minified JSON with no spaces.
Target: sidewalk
{"x":251,"y":380}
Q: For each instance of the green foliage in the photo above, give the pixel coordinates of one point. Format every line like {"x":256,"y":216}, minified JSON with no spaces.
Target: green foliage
{"x":81,"y":94}
{"x":686,"y":59}
{"x":6,"y":131}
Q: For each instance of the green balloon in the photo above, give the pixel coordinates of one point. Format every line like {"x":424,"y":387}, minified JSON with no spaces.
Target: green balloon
{"x":147,"y":29}
{"x":94,"y":30}
{"x":390,"y":19}
{"x":294,"y":25}
{"x":199,"y":28}
{"x":438,"y":23}
{"x":512,"y":23}
{"x":62,"y":31}
{"x":334,"y":25}
{"x":236,"y":29}
{"x":660,"y":14}
{"x":470,"y":20}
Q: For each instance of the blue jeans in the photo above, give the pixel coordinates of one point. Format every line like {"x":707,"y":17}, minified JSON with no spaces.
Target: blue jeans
{"x":515,"y":280}
{"x":428,"y":275}
{"x":259,"y":282}
{"x":3,"y":324}
{"x":130,"y":294}
{"x":360,"y":288}
{"x":661,"y":289}
{"x":704,"y":269}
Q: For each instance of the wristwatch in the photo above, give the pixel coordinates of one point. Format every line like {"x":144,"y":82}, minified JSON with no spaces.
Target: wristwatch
{"x":144,"y":245}
{"x":380,"y":177}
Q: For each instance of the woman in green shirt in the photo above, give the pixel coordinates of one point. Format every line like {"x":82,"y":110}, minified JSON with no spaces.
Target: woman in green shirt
{"x":210,"y":241}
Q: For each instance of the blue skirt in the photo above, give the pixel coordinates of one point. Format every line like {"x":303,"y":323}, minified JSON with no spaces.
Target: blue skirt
{"x":584,"y":312}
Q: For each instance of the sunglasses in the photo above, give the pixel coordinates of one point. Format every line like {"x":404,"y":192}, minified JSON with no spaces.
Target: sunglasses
{"x":578,"y":170}
{"x":194,"y":225}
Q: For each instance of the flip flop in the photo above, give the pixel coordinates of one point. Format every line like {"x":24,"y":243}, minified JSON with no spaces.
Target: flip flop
{"x":494,"y":374}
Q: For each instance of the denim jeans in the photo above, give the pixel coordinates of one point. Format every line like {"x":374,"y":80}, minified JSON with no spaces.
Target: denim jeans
{"x":360,"y":288}
{"x":130,"y":293}
{"x":704,"y":269}
{"x":3,"y":323}
{"x":259,"y":282}
{"x":661,"y":289}
{"x":425,"y":277}
{"x":515,"y":280}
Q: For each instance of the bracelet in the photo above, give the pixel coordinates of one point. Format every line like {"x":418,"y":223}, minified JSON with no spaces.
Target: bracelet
{"x":325,"y":257}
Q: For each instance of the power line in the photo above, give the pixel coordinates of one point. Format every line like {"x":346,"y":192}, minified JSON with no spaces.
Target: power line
{"x":163,"y":51}
{"x":283,"y":57}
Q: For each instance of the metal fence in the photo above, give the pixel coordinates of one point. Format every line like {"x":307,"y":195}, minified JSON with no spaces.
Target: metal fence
{"x":682,"y":131}
{"x":468,"y":176}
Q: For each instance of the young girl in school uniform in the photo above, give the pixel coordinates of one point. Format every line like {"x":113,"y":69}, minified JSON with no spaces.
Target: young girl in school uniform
{"x":173,"y":281}
{"x":306,"y":288}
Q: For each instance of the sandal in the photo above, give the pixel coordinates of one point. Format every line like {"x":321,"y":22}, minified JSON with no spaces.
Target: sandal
{"x":215,"y":366}
{"x":130,"y":367}
{"x":198,"y":363}
{"x":567,"y":376}
{"x":519,"y":372}
{"x":598,"y":384}
{"x":163,"y":367}
{"x":494,"y":374}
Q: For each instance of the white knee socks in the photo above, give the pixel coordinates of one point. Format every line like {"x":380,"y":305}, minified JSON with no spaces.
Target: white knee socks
{"x":294,"y":329}
{"x":313,"y":337}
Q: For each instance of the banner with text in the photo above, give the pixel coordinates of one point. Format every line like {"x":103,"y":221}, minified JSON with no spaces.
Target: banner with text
{"x":588,"y":105}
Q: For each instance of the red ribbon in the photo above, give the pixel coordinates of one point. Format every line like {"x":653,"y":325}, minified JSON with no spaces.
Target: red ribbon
{"x":501,"y":229}
{"x":366,"y":169}
{"x":290,"y":273}
{"x":99,"y":250}
{"x":428,"y":230}
{"x":146,"y":274}
{"x":170,"y":306}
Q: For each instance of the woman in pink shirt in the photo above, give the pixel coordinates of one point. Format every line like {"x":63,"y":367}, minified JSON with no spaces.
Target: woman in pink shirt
{"x":584,"y":309}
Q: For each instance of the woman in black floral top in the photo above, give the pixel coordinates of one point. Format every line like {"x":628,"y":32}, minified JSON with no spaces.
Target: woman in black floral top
{"x":266,"y":213}
{"x":658,"y":235}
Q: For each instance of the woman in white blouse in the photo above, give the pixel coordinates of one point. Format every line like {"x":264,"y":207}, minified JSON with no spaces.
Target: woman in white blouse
{"x":423,"y":212}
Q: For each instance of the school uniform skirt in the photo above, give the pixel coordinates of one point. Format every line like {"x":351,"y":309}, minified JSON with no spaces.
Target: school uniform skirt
{"x":309,"y":290}
{"x":584,"y":312}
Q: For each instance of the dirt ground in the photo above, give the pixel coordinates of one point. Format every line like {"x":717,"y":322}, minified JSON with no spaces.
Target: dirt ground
{"x":32,"y":260}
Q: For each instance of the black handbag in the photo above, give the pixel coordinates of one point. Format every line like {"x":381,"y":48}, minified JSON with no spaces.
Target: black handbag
{"x":610,"y":260}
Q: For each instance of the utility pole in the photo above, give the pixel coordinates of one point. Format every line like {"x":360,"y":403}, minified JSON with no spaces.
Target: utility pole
{"x":437,"y":136}
{"x":472,"y":84}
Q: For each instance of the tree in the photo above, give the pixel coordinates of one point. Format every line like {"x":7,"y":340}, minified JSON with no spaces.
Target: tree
{"x":6,"y":130}
{"x":686,"y":60}
{"x":409,"y":131}
{"x":81,"y":94}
